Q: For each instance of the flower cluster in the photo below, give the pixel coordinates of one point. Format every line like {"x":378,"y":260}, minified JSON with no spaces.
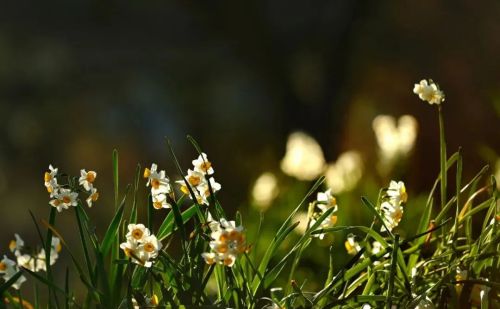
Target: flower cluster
{"x":64,"y":197}
{"x":160,"y":186}
{"x":228,"y":241}
{"x":87,"y":181}
{"x":141,"y":245}
{"x":35,"y":262}
{"x":392,"y":204}
{"x":429,"y":91}
{"x":325,"y":201}
{"x":200,"y":180}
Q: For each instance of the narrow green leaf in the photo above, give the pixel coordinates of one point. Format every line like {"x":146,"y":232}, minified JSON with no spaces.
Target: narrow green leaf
{"x":7,"y":284}
{"x":370,"y":206}
{"x":111,"y":234}
{"x":167,"y":226}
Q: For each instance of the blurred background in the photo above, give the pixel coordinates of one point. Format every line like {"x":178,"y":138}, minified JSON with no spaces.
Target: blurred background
{"x":80,"y":78}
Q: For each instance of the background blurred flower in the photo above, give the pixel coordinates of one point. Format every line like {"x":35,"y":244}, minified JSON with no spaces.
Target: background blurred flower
{"x":394,"y":141}
{"x":265,"y":190}
{"x":345,"y":173}
{"x":304,"y":158}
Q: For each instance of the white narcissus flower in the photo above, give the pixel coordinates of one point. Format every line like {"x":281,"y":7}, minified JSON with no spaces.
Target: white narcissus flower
{"x":326,"y":198}
{"x":325,"y":201}
{"x":93,"y":197}
{"x":397,"y":192}
{"x":202,"y":165}
{"x":150,"y":246}
{"x":87,"y":179}
{"x":351,"y":245}
{"x":137,"y":232}
{"x":392,"y":214}
{"x":158,"y":180}
{"x":50,"y":181}
{"x":429,"y":91}
{"x":195,"y":178}
{"x":160,"y":201}
{"x":228,"y":241}
{"x":8,"y":269}
{"x":64,"y":199}
{"x":16,"y":245}
{"x":141,"y":246}
{"x":204,"y":189}
{"x":209,"y":257}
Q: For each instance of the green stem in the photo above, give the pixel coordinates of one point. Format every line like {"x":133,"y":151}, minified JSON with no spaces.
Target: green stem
{"x":442,"y":148}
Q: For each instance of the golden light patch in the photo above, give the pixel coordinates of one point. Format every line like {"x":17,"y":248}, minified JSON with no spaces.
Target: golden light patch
{"x":47,"y":177}
{"x":147,"y":173}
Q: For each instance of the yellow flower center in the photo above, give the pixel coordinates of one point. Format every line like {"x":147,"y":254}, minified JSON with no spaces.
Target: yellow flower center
{"x":149,"y":247}
{"x":155,"y":183}
{"x":349,"y":247}
{"x":50,"y":189}
{"x":234,"y":235}
{"x":157,"y":205}
{"x":228,"y":261}
{"x":47,"y":177}
{"x":194,"y":180}
{"x":66,"y":199}
{"x":3,"y":266}
{"x":127,"y":251}
{"x":398,"y":215}
{"x":205,"y":166}
{"x":333,"y":220}
{"x":59,"y":247}
{"x":147,"y":173}
{"x":154,"y":300}
{"x":137,"y":234}
{"x":209,"y":260}
{"x":90,"y":177}
{"x":184,"y":189}
{"x":94,"y":196}
{"x":12,"y":245}
{"x":222,"y":248}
